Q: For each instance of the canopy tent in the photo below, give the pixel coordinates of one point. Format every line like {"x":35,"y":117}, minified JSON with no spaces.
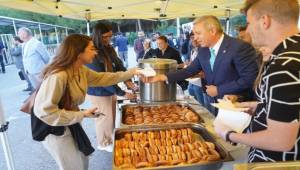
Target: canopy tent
{"x":127,"y":9}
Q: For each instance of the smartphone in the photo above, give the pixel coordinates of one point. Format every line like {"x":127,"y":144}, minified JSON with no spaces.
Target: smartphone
{"x":98,"y":114}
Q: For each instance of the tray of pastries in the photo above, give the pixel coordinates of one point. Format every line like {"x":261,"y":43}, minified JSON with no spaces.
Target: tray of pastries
{"x":182,"y":146}
{"x":149,"y":114}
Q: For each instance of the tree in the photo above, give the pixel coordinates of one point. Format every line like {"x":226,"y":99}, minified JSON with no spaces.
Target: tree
{"x":76,"y":25}
{"x":235,"y":22}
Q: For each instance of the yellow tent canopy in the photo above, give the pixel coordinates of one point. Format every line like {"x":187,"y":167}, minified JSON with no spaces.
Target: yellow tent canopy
{"x":127,"y":9}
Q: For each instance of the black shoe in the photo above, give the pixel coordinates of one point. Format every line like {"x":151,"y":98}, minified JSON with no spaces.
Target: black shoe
{"x":27,"y":89}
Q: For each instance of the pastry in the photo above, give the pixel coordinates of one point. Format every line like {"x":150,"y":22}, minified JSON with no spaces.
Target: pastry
{"x":168,"y":113}
{"x":160,"y":148}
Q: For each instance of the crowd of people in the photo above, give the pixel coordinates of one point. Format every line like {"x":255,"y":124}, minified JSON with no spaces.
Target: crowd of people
{"x":259,"y":70}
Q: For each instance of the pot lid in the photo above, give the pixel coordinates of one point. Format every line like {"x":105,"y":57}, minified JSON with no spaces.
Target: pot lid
{"x":158,"y":63}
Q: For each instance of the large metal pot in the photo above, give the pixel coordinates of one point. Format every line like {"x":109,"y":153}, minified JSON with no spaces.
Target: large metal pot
{"x":159,"y":91}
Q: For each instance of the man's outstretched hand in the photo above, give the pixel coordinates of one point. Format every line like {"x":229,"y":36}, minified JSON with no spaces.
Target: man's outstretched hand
{"x":153,"y":79}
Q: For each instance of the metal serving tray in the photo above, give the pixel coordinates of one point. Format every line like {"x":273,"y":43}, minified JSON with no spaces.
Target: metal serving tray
{"x":289,"y":165}
{"x":124,"y":107}
{"x":197,"y":128}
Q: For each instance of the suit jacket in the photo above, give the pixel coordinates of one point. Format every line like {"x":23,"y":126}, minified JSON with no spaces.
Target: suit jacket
{"x":234,"y":72}
{"x":35,"y":56}
{"x":16,"y":52}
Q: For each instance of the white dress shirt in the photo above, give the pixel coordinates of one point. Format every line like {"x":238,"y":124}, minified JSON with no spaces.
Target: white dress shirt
{"x":217,"y":46}
{"x":195,"y":81}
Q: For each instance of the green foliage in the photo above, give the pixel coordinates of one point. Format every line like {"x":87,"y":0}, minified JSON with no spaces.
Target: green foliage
{"x":165,"y":28}
{"x":76,"y":25}
{"x":162,"y":27}
{"x":170,"y":26}
{"x":237,"y":21}
{"x":186,"y":20}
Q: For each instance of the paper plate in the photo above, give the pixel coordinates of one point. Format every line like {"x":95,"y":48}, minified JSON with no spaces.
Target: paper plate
{"x":232,"y":116}
{"x":237,"y":121}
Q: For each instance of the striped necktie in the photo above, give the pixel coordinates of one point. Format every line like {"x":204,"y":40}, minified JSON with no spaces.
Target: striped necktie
{"x":212,"y":58}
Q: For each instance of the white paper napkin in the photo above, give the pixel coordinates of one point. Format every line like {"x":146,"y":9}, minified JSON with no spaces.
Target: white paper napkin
{"x":147,"y":72}
{"x":232,"y":116}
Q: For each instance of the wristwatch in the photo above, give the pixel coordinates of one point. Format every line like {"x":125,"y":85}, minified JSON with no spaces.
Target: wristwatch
{"x":227,"y":137}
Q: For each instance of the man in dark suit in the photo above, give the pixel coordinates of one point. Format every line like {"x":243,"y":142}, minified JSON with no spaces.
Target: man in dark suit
{"x":164,"y":50}
{"x":228,"y":63}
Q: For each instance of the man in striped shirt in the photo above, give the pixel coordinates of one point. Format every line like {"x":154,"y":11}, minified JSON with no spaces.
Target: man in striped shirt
{"x":274,"y":131}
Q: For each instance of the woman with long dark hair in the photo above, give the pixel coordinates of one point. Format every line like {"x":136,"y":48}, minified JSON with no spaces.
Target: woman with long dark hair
{"x":67,"y":72}
{"x":104,"y":98}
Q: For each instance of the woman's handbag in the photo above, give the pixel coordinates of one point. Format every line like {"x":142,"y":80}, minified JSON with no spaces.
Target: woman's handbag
{"x":65,"y":101}
{"x":29,"y":102}
{"x":40,"y":129}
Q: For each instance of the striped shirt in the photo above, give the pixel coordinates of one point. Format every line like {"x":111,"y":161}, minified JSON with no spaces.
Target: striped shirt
{"x":278,"y":96}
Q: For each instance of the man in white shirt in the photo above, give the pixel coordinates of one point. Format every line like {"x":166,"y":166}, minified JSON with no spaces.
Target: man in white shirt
{"x":35,"y":56}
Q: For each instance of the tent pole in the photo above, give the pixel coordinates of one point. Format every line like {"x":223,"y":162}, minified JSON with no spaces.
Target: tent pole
{"x":66,"y":31}
{"x":88,"y":27}
{"x":227,"y":21}
{"x":41,"y":34}
{"x":57,"y":40}
{"x":15,"y":28}
{"x":4,"y":140}
{"x":227,"y":26}
{"x":178,"y":26}
{"x":139,"y":24}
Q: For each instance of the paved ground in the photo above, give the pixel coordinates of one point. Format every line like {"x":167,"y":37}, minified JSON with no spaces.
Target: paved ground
{"x":28,"y":154}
